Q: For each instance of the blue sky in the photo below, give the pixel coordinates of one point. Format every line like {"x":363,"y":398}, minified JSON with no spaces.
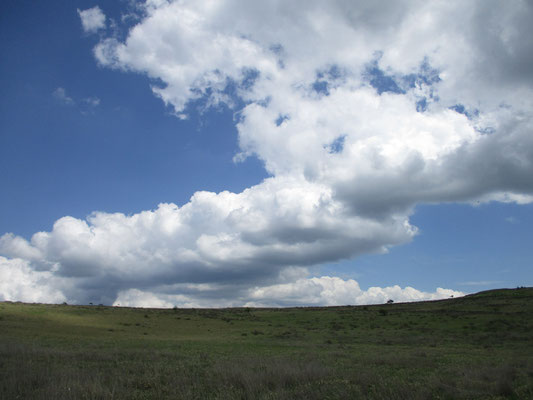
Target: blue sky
{"x":460,"y":246}
{"x":83,"y":130}
{"x":127,"y":154}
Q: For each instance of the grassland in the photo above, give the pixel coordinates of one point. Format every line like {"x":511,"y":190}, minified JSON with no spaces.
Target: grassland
{"x":476,"y":347}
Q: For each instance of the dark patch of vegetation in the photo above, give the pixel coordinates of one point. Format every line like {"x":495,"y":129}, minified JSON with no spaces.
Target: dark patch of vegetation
{"x":475,"y":347}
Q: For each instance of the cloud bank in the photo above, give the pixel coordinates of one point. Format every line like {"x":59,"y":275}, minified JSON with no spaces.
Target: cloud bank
{"x":358,"y":112}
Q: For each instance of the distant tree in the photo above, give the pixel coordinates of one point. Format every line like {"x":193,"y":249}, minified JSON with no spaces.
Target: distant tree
{"x":390,"y":301}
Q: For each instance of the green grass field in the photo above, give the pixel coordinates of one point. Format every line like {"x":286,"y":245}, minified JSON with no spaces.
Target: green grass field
{"x":475,"y":347}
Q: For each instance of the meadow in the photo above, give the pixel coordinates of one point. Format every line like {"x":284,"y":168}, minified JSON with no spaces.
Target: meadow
{"x":476,"y":347}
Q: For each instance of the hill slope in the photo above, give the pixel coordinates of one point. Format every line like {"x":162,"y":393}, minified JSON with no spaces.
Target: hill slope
{"x":478,"y":346}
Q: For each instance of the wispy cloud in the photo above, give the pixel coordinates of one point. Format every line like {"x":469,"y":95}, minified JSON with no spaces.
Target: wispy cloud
{"x":480,"y":283}
{"x":84,"y":105}
{"x":61,"y":95}
{"x":92,"y":101}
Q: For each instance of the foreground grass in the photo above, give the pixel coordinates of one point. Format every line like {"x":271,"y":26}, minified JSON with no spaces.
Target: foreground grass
{"x":476,"y":347}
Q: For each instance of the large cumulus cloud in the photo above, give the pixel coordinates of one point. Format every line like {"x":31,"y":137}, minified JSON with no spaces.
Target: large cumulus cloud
{"x":358,"y":111}
{"x":251,"y":237}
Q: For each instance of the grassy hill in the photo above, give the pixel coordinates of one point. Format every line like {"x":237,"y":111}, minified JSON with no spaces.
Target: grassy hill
{"x":476,"y":347}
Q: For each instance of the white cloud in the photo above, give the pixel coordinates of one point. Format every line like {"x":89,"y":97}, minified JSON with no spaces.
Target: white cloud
{"x":359,"y":112}
{"x":92,"y":19}
{"x":19,"y":282}
{"x":394,"y":156}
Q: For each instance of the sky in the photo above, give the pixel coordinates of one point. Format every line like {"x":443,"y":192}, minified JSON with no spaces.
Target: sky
{"x":275,"y":153}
